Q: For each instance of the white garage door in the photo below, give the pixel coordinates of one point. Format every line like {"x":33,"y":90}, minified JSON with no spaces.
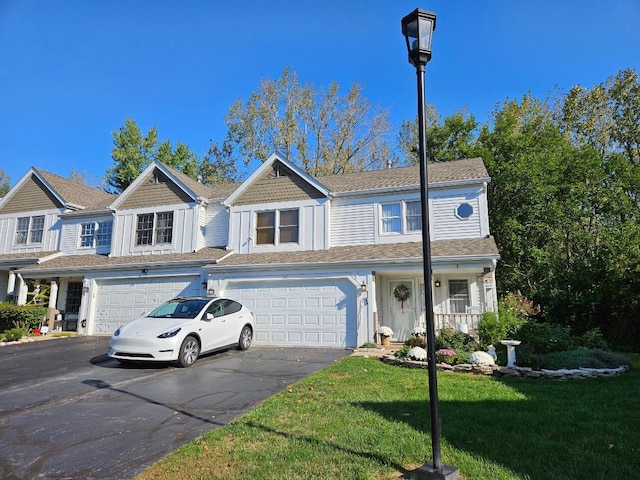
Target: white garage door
{"x":300,"y":313}
{"x":120,"y":301}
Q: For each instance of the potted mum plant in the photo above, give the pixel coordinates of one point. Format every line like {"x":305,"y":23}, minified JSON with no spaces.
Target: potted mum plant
{"x":419,"y":333}
{"x":385,"y":335}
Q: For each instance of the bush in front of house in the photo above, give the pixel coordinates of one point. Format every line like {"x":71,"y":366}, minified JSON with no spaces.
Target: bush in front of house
{"x":12,"y":335}
{"x":26,"y":317}
{"x":461,"y":343}
{"x":514,"y":311}
{"x":576,"y":358}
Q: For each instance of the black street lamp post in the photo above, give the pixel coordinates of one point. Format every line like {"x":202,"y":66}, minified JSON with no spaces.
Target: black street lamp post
{"x":417,"y":28}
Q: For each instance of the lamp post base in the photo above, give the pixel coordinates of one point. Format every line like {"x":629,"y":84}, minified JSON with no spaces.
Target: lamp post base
{"x":428,"y":472}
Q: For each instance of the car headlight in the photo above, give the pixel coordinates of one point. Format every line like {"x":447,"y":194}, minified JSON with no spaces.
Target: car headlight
{"x":170,"y":333}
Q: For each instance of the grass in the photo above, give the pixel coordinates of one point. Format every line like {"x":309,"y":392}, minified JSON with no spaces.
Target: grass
{"x":362,"y":419}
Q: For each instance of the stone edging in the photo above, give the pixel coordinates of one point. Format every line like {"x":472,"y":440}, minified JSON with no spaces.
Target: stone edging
{"x":500,"y":371}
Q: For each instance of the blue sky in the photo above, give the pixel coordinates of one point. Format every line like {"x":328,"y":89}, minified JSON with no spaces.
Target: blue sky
{"x":71,"y":71}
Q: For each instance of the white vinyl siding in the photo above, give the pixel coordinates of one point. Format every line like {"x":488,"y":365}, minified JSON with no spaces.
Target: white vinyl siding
{"x":125,"y":232}
{"x":47,"y":235}
{"x":216,"y":230}
{"x":353,"y":224}
{"x":312,"y":227}
{"x":448,"y":225}
{"x":71,"y":241}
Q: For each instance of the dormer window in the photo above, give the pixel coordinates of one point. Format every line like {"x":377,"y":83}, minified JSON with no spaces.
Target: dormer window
{"x":29,"y":230}
{"x":274,"y":227}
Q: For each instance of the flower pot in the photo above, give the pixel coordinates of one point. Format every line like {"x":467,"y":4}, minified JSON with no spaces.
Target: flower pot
{"x":385,"y":340}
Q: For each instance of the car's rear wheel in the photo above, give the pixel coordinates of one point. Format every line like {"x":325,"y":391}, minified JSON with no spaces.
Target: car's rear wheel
{"x":246,"y":335}
{"x":189,"y":351}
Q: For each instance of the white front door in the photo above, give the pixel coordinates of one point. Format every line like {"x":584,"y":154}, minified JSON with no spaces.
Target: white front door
{"x":402,"y":312}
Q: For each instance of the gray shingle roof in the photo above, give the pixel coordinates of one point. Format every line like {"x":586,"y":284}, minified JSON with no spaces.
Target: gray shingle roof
{"x":204,"y":256}
{"x":471,"y":168}
{"x":77,"y":194}
{"x":354,"y":253}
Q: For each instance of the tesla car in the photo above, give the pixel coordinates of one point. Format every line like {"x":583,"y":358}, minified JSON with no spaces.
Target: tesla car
{"x":182,"y":329}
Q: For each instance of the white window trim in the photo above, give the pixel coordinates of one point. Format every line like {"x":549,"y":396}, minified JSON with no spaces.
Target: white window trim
{"x":154,"y":229}
{"x":403,"y":218}
{"x":29,"y":231}
{"x":276,"y":226}
{"x":96,"y":227}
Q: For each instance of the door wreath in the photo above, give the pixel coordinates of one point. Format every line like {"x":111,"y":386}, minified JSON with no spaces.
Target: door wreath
{"x":401,"y":293}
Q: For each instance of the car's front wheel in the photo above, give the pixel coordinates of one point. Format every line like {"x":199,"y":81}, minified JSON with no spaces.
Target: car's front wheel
{"x":189,"y":351}
{"x":246,"y":335}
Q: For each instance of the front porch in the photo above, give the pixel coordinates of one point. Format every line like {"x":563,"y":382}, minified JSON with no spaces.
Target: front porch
{"x":458,"y":301}
{"x":465,"y":322}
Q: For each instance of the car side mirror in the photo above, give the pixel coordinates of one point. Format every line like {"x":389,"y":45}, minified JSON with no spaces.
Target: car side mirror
{"x":208,"y":317}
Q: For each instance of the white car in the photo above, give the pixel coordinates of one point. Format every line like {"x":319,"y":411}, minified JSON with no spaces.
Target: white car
{"x":182,"y":329}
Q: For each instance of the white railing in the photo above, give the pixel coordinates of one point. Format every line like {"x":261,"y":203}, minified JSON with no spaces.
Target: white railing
{"x":453,"y":320}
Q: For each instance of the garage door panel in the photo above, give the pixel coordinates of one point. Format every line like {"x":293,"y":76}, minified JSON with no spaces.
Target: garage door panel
{"x":301,"y":313}
{"x":121,"y":301}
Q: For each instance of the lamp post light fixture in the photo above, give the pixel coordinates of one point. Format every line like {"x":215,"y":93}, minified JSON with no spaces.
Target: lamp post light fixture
{"x":417,"y":28}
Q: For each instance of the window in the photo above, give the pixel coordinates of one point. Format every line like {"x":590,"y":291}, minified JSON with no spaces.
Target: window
{"x":95,"y":234}
{"x":414,"y":216}
{"x":164,"y":227}
{"x":401,"y":217}
{"x":266,"y":228}
{"x":392,"y":218}
{"x":458,"y":296}
{"x":223,"y":307}
{"x":87,"y":234}
{"x":158,"y":225}
{"x":288,"y":226}
{"x":464,"y":211}
{"x":284,"y":222}
{"x":29,"y":230}
{"x":103,"y":234}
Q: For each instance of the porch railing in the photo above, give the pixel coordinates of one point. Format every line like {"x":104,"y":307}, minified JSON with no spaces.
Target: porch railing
{"x":453,"y":320}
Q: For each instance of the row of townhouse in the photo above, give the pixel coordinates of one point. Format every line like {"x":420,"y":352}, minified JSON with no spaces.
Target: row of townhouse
{"x":320,"y":261}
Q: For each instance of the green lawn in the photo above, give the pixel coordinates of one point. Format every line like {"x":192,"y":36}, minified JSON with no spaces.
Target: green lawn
{"x":363,"y":419}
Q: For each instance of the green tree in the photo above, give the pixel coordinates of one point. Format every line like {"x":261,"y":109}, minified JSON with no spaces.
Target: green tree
{"x":607,"y":116}
{"x":134,"y":150}
{"x":323,"y":131}
{"x":453,"y":138}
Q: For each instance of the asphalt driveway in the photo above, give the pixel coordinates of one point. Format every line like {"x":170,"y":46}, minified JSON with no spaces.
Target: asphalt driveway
{"x":67,"y":411}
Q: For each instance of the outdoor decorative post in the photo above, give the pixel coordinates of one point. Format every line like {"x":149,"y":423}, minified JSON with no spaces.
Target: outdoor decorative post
{"x":417,"y":28}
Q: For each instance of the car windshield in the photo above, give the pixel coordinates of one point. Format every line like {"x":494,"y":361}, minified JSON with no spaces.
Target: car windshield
{"x":179,"y":308}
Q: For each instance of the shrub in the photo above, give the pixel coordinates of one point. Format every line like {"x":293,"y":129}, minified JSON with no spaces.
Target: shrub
{"x":20,"y":316}
{"x":13,"y":335}
{"x":401,"y":353}
{"x":490,"y":330}
{"x":593,"y":339}
{"x":543,"y":338}
{"x":457,"y":341}
{"x":416,"y":342}
{"x":583,"y":357}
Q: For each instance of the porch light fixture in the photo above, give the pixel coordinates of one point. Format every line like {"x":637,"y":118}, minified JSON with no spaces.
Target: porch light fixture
{"x":437,"y":283}
{"x":417,"y":28}
{"x":363,"y":287}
